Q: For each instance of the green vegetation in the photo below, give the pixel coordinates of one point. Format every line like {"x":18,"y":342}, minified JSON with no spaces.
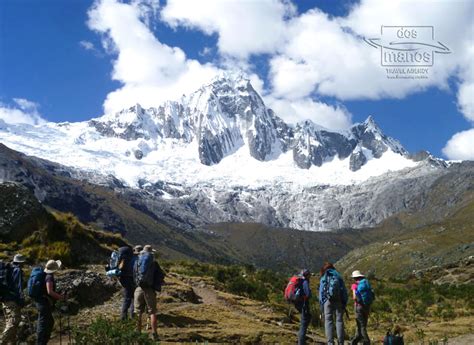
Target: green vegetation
{"x":113,"y":332}
{"x":63,"y":237}
{"x":261,"y":285}
{"x":414,"y":301}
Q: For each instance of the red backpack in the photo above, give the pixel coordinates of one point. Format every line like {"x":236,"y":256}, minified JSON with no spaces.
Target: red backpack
{"x":293,"y":289}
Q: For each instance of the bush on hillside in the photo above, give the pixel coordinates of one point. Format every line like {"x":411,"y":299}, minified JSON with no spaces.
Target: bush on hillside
{"x":103,"y":331}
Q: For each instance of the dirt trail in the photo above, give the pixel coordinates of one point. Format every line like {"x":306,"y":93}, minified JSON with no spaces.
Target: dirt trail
{"x":191,"y":310}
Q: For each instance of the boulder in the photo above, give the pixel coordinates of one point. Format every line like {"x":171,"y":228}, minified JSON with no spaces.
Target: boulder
{"x":20,"y":212}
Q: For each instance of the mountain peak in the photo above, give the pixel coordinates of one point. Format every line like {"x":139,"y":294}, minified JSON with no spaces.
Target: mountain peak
{"x":233,"y":76}
{"x":370,"y":124}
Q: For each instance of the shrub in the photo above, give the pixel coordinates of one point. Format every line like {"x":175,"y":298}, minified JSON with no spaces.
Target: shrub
{"x":103,"y":331}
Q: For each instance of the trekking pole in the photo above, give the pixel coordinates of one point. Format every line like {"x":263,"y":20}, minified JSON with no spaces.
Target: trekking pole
{"x":69,"y":327}
{"x":60,"y":329}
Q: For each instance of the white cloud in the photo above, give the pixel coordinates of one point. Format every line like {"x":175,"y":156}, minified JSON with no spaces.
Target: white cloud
{"x":87,"y":45}
{"x":461,"y":146}
{"x":25,"y":111}
{"x":293,"y":111}
{"x":243,"y":27}
{"x":310,"y":55}
{"x":466,"y":100}
{"x":151,"y":72}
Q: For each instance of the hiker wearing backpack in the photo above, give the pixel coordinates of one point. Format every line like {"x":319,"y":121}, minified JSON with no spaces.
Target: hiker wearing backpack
{"x":11,"y":288}
{"x":363,"y":296}
{"x":125,"y":265}
{"x":302,"y":304}
{"x":333,"y":301}
{"x":42,"y":289}
{"x":148,"y":278}
{"x":394,"y":338}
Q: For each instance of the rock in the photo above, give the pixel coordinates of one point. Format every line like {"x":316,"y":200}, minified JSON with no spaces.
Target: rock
{"x":86,"y":288}
{"x":20,"y":212}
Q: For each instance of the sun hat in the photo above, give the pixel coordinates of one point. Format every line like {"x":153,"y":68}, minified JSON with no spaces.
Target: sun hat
{"x":52,"y":266}
{"x":137,"y":249}
{"x":19,"y":258}
{"x":357,"y":274}
{"x":149,"y":249}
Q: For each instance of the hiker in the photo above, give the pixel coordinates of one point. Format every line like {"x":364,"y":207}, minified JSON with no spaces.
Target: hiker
{"x":302,"y":305}
{"x":148,"y":279}
{"x":333,"y":301}
{"x":42,"y":288}
{"x":394,"y":338}
{"x":125,"y":265}
{"x":11,"y":276}
{"x":363,"y":296}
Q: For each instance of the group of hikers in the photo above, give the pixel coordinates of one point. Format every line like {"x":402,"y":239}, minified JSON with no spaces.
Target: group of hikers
{"x":333,"y":299}
{"x":138,"y":273}
{"x":141,"y":277}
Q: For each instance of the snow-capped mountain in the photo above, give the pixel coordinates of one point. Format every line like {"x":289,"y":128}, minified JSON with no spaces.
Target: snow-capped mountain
{"x":225,"y":124}
{"x":219,"y":154}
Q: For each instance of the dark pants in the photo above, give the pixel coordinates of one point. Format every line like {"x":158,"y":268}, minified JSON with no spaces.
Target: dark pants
{"x":303,"y":309}
{"x":45,"y":322}
{"x":128,"y":290}
{"x":362,"y":316}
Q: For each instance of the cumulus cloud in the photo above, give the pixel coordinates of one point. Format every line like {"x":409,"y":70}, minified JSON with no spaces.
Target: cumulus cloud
{"x":461,"y":146}
{"x":24,"y":111}
{"x":150,"y":71}
{"x":292,"y":111}
{"x":243,"y":27}
{"x":309,"y":55}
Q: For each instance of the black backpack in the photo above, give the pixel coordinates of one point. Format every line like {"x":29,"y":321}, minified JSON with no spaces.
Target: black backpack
{"x":158,"y":276}
{"x":125,"y":255}
{"x":5,"y":279}
{"x":393,"y":339}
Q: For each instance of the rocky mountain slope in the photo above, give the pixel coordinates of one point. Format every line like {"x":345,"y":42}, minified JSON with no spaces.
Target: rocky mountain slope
{"x":435,"y":240}
{"x":220,"y":155}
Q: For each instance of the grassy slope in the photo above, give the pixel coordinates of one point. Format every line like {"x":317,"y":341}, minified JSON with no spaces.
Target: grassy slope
{"x":417,"y":248}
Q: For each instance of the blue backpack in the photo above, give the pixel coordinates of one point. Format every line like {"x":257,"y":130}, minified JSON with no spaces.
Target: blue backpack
{"x":333,"y":287}
{"x":114,"y":260}
{"x":143,"y":270}
{"x":365,"y":294}
{"x":37,"y":283}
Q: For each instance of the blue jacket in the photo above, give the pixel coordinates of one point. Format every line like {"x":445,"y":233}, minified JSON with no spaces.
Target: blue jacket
{"x":323,"y":289}
{"x":16,"y":286}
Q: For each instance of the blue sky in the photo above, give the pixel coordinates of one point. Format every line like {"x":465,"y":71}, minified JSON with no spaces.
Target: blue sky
{"x":43,"y":61}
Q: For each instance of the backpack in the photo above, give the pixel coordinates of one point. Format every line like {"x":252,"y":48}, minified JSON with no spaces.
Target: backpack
{"x":293,"y":290}
{"x":37,"y":283}
{"x":365,"y":294}
{"x":333,"y":287}
{"x":144,"y":269}
{"x":125,"y":260}
{"x":5,"y":278}
{"x":114,"y":260}
{"x":393,"y":339}
{"x":158,"y":276}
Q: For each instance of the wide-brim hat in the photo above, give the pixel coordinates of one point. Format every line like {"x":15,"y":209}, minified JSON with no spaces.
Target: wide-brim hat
{"x":357,"y":274}
{"x":52,"y":266}
{"x":19,"y":258}
{"x":148,"y":249}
